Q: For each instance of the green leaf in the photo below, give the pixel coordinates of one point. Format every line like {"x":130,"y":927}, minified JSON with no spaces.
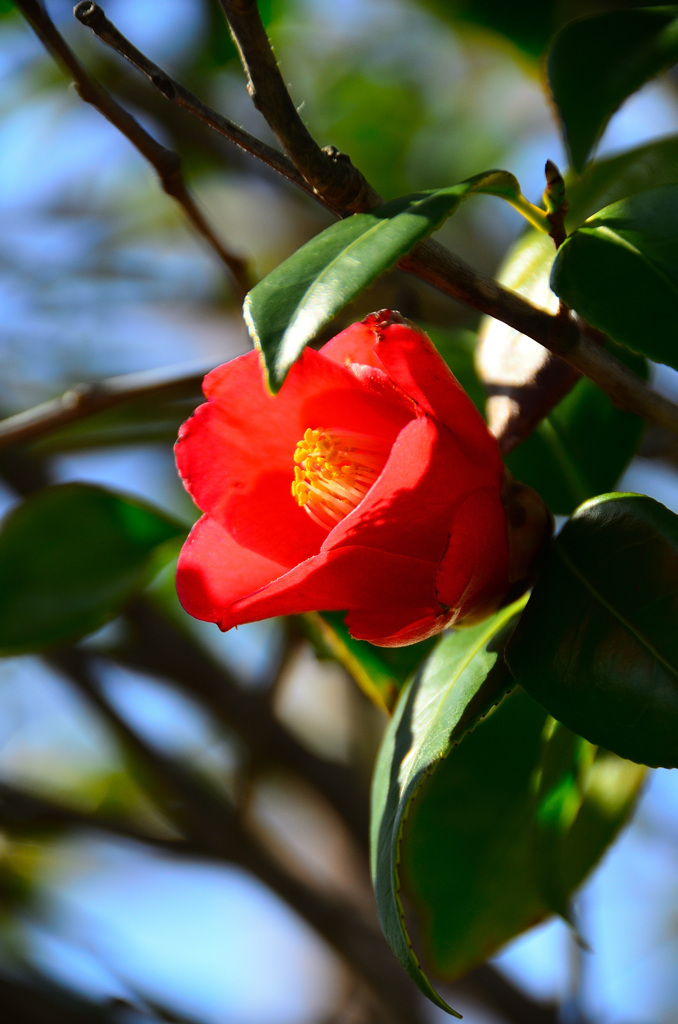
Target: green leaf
{"x":504,"y":829}
{"x":459,"y":682}
{"x":595,"y":63}
{"x":597,"y":645}
{"x":620,"y":272}
{"x":381,"y":672}
{"x":485,"y":832}
{"x":293,"y":303}
{"x":70,"y":557}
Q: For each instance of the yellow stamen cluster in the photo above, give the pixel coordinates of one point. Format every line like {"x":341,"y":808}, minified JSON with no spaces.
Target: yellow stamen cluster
{"x":334,"y":471}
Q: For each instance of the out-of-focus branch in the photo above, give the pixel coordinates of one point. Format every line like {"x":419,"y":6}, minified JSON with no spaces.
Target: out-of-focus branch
{"x":165,"y":162}
{"x":155,"y":646}
{"x":89,"y":398}
{"x":212,"y":827}
{"x":22,"y":811}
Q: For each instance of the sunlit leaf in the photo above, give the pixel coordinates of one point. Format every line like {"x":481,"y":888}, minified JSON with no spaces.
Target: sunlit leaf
{"x":290,"y":306}
{"x":70,"y":557}
{"x":595,"y":63}
{"x":460,"y":681}
{"x":597,"y":645}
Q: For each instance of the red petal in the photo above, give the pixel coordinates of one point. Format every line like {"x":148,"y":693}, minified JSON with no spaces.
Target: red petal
{"x":416,"y":366}
{"x":474,"y":570}
{"x":349,"y":577}
{"x":409,"y":508}
{"x":214,"y":571}
{"x":395,"y":627}
{"x":354,"y":345}
{"x":236,"y":453}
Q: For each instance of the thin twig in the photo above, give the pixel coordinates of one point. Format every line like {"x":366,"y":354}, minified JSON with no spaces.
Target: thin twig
{"x":21,"y":811}
{"x":87,"y":399}
{"x":165,"y":162}
{"x":92,"y":15}
{"x":330,"y":173}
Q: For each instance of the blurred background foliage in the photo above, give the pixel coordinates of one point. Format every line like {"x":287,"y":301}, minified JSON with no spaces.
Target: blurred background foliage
{"x":171,"y":799}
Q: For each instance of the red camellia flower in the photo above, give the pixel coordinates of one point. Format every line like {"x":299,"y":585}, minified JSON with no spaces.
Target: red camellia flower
{"x":369,"y":484}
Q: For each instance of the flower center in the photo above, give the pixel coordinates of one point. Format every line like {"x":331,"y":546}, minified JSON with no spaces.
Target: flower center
{"x":334,"y":471}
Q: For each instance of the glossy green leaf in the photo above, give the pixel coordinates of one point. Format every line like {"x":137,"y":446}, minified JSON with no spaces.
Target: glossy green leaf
{"x":595,"y":63}
{"x":380,"y":672}
{"x":70,"y":557}
{"x":460,"y":681}
{"x":293,"y":303}
{"x":597,"y":645}
{"x":504,"y":830}
{"x":619,"y":270}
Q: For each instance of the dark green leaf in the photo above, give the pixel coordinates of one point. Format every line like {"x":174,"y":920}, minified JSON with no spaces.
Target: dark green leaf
{"x":595,"y":63}
{"x":505,"y":829}
{"x":597,"y":645}
{"x":70,"y":557}
{"x":459,"y":682}
{"x":620,"y":272}
{"x":293,"y":303}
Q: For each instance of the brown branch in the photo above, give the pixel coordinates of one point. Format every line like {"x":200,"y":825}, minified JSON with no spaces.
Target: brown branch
{"x":154,"y":645}
{"x":22,"y":811}
{"x":87,"y":399}
{"x":165,"y":162}
{"x":563,"y":336}
{"x":330,"y":173}
{"x":214,"y":830}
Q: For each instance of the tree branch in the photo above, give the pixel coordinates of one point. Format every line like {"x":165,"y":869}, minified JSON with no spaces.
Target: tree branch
{"x":333,"y":180}
{"x":165,"y":162}
{"x":212,"y":827}
{"x":87,"y":399}
{"x":154,"y":645}
{"x":92,"y":15}
{"x":330,"y":173}
{"x":342,"y":185}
